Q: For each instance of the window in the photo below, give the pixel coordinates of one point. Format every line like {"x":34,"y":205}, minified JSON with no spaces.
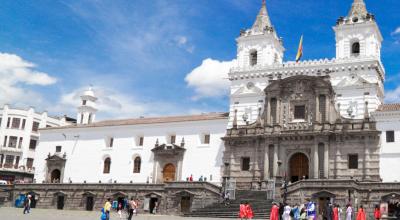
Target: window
{"x":172,"y":139}
{"x":299,"y":112}
{"x":35,"y":126}
{"x":206,"y":139}
{"x":23,"y":123}
{"x":253,"y":58}
{"x":141,"y":139}
{"x":322,"y":107}
{"x":273,"y":110}
{"x":15,"y":123}
{"x":5,"y":141}
{"x":8,"y":122}
{"x":20,"y":142}
{"x":16,"y":161}
{"x":353,"y":161}
{"x":32,"y":144}
{"x":245,"y":163}
{"x":389,"y":136}
{"x":90,"y":118}
{"x":107,"y":165}
{"x":83,"y":102}
{"x":355,"y":49}
{"x":110,"y":142}
{"x":136,"y":165}
{"x":58,"y":149}
{"x":9,"y":161}
{"x":29,"y":163}
{"x":13,"y":141}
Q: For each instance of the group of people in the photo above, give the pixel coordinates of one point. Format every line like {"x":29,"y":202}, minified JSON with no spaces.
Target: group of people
{"x":245,"y":211}
{"x":308,"y":212}
{"x":131,"y":206}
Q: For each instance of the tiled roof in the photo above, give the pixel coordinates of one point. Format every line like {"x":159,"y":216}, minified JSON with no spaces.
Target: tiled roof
{"x":389,"y":107}
{"x":151,"y":120}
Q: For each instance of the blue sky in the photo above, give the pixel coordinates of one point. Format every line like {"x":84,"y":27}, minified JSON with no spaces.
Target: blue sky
{"x":137,"y":53}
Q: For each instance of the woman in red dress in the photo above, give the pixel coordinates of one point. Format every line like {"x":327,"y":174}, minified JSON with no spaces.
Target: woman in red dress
{"x":335,"y":212}
{"x":249,"y":211}
{"x":377,"y":213}
{"x":361,"y":214}
{"x":242,"y":211}
{"x":274,"y":215}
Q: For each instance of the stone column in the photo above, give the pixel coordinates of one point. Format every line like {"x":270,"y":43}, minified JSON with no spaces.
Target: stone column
{"x":327,"y":108}
{"x":155,"y":171}
{"x":275,"y":164}
{"x":266,"y":162}
{"x":317,"y":115}
{"x":179,"y":173}
{"x":326,"y":160}
{"x":267,"y":112}
{"x":315,"y":159}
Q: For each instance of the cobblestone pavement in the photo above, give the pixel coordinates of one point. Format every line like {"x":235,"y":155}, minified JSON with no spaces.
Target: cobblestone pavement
{"x":51,"y":214}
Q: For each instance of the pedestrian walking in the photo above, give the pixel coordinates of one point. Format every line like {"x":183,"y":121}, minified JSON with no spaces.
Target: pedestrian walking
{"x":361,"y":214}
{"x":281,"y":208}
{"x":303,"y":214}
{"x":377,"y":213}
{"x":296,"y":212}
{"x":274,"y":214}
{"x":335,"y":212}
{"x":340,"y":211}
{"x":103,"y":215}
{"x":119,"y":210}
{"x":249,"y":211}
{"x":226,"y":198}
{"x":131,"y":207}
{"x":107,"y":208}
{"x":286,"y":212}
{"x":349,"y":212}
{"x":136,"y":205}
{"x":311,"y":212}
{"x":27,"y":204}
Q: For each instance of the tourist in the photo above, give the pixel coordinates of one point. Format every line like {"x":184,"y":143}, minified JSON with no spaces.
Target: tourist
{"x":135,"y":210}
{"x":274,"y":214}
{"x":377,"y":213}
{"x":131,"y":208}
{"x":103,"y":215}
{"x":349,"y":212}
{"x":226,"y":198}
{"x":27,"y":204}
{"x":329,"y":211}
{"x":286,"y":212}
{"x":107,"y":208}
{"x":242,"y":211}
{"x":119,"y":210}
{"x":296,"y":212}
{"x":361,"y":214}
{"x":191,"y":178}
{"x":311,"y":212}
{"x":340,"y":212}
{"x":335,"y":212}
{"x":249,"y":211}
{"x":281,"y":206}
{"x":303,"y":214}
{"x":201,"y":178}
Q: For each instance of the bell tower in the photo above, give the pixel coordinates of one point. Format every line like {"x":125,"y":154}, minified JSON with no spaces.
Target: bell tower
{"x":259,"y":45}
{"x":87,"y":109}
{"x":357,"y":34}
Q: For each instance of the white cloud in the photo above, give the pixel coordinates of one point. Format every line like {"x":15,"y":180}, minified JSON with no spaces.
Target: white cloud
{"x":393,"y":96}
{"x":183,"y":42}
{"x":210,"y":79}
{"x":397,"y":31}
{"x":16,"y":75}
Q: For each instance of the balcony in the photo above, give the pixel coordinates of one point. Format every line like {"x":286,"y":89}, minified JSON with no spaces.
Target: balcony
{"x":14,"y":150}
{"x":15,"y":168}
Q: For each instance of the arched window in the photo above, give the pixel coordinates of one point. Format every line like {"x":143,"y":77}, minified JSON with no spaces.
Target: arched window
{"x":253,"y":58}
{"x":355,"y":49}
{"x":136,"y":165}
{"x":107,"y":165}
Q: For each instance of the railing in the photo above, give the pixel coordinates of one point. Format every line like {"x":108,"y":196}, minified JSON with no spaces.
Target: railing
{"x":15,"y":168}
{"x":10,"y":149}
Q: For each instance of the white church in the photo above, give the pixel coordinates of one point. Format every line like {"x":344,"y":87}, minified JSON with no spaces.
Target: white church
{"x":176,"y":148}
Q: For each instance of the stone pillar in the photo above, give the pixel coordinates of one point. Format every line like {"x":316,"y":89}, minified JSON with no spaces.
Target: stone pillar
{"x":268,"y":112}
{"x":317,"y":114}
{"x":266,"y":162}
{"x":155,"y":172}
{"x":275,"y":164}
{"x":315,"y":159}
{"x":327,"y":108}
{"x":179,"y":173}
{"x":326,"y":161}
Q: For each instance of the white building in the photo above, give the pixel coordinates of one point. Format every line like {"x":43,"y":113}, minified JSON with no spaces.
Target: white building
{"x":388,"y":121}
{"x":19,"y":136}
{"x":150,"y":149}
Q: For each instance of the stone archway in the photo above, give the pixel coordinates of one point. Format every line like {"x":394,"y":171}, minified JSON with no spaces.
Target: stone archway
{"x":55,"y":176}
{"x":298,"y":167}
{"x":169,"y":172}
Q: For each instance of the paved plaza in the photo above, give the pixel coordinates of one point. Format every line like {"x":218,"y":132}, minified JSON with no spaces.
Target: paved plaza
{"x":51,"y":214}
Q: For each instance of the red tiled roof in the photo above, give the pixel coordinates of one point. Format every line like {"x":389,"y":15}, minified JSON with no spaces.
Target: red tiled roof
{"x":389,"y":107}
{"x":152,"y":120}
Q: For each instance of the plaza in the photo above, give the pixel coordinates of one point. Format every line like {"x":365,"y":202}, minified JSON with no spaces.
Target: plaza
{"x":47,"y":214}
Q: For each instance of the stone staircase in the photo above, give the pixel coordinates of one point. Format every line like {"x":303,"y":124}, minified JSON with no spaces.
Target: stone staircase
{"x":257,"y":199}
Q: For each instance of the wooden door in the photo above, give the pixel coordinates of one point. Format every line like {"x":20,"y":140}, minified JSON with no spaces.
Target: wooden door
{"x":169,"y":173}
{"x":298,"y":167}
{"x":185,"y":204}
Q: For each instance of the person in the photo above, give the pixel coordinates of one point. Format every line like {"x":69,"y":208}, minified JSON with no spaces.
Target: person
{"x":201,"y":178}
{"x":191,"y":178}
{"x":303,"y":214}
{"x":242,"y":211}
{"x":377,"y":213}
{"x":329,"y":211}
{"x":361,"y":213}
{"x":286,"y":212}
{"x":107,"y":208}
{"x":27,"y":203}
{"x":119,"y":210}
{"x":335,"y":212}
{"x":311,"y":212}
{"x":131,"y":207}
{"x":135,"y":210}
{"x":103,"y":215}
{"x":281,"y":207}
{"x":226,"y":198}
{"x":349,"y":212}
{"x":296,"y":212}
{"x":340,"y":211}
{"x":274,"y":214}
{"x":249,"y":211}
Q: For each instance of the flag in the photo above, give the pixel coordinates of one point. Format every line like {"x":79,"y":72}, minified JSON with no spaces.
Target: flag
{"x":300,"y":50}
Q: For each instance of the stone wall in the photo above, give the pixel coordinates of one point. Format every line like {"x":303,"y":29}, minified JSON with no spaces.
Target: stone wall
{"x":169,"y":195}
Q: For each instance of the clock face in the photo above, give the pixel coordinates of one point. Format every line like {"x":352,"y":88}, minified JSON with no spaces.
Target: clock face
{"x":250,"y":85}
